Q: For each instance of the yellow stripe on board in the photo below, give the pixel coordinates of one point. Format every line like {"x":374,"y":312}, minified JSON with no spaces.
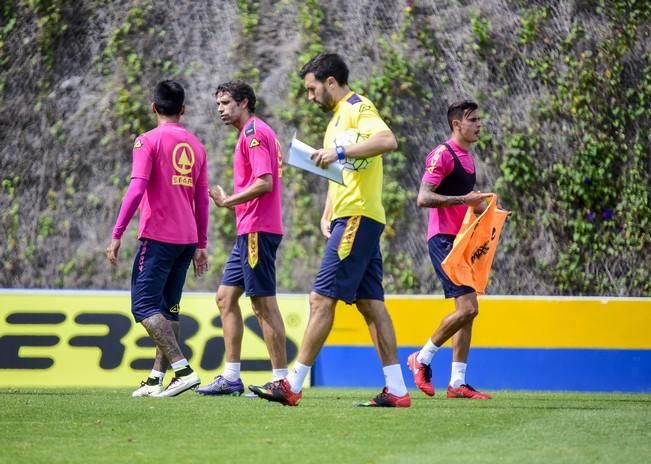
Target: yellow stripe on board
{"x":513,"y":322}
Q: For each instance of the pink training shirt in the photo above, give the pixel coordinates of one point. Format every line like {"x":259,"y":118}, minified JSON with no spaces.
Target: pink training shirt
{"x":172,"y":161}
{"x":258,"y":153}
{"x":439,"y":164}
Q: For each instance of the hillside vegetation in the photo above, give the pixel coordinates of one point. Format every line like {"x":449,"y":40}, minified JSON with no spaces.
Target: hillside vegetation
{"x":564,"y":88}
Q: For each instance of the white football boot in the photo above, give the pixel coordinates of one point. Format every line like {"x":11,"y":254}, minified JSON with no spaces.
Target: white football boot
{"x":148,"y":390}
{"x":179,"y":384}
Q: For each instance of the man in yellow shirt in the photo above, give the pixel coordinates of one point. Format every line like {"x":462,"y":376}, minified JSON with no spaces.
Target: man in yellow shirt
{"x":353,"y":220}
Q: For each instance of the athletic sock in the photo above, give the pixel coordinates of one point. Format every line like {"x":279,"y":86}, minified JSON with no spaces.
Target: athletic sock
{"x":458,"y":374}
{"x":154,"y":374}
{"x":155,"y":377}
{"x":182,"y":368}
{"x":427,"y":352}
{"x":231,"y":371}
{"x":278,"y":374}
{"x":394,"y":381}
{"x":297,"y":375}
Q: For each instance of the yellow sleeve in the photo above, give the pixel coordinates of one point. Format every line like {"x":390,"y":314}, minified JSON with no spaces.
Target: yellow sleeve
{"x":368,"y":120}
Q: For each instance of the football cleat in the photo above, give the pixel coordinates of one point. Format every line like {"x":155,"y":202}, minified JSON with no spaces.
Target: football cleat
{"x":387,"y":400}
{"x":422,"y":374}
{"x":149,"y":387}
{"x":278,"y":391}
{"x":466,"y":391}
{"x":222,"y":386}
{"x":180,"y":384}
{"x":250,"y":394}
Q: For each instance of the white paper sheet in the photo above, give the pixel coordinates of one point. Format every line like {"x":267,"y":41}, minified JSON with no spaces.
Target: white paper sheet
{"x":299,"y":156}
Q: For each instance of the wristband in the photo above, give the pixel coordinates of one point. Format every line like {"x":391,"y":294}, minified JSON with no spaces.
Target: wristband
{"x":341,"y":152}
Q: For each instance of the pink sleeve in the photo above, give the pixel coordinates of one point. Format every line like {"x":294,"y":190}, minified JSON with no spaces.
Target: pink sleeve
{"x":438,"y":165}
{"x":259,"y":154}
{"x":142,"y":158}
{"x":201,"y":207}
{"x":132,"y":198}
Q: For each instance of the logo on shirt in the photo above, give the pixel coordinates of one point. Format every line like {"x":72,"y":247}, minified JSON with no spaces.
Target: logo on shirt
{"x":480,"y":251}
{"x":354,"y":98}
{"x":254,"y":143}
{"x":183,"y":161}
{"x":137,"y":144}
{"x":435,"y":158}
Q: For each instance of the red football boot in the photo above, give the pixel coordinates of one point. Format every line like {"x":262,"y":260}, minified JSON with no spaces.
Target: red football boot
{"x":422,"y":374}
{"x":278,"y":391}
{"x":387,"y":400}
{"x":466,"y":391}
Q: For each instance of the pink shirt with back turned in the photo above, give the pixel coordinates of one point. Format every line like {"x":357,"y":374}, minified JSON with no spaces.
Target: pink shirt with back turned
{"x":439,"y":164}
{"x":173,"y":162}
{"x":257,"y":154}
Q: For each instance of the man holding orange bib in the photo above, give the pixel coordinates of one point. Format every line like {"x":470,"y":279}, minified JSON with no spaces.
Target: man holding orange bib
{"x":447,"y":189}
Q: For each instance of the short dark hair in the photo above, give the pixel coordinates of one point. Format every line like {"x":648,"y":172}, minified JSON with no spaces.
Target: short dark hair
{"x":326,"y":65}
{"x":460,"y":110}
{"x":169,"y":97}
{"x":239,"y":90}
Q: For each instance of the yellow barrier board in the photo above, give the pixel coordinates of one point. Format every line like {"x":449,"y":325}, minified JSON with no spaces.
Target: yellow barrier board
{"x":64,"y":338}
{"x":513,"y":322}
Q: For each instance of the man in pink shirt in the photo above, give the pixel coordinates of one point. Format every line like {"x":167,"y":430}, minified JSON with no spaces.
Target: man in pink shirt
{"x":169,"y":182}
{"x":251,"y":268}
{"x":447,"y":188}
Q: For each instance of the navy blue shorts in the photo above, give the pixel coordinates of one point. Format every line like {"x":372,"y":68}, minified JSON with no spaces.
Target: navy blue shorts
{"x":439,"y":247}
{"x":157,"y":278}
{"x":252,"y":264}
{"x":351,"y":268}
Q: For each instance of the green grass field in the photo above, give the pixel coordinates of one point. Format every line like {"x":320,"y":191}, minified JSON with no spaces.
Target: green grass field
{"x":107,"y":425}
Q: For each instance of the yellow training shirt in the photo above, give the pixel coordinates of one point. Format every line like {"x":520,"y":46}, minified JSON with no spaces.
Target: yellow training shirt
{"x":356,"y":119}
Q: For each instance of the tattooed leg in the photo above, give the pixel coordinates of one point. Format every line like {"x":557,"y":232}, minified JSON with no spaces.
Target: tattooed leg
{"x":161,"y":363}
{"x":162,"y":332}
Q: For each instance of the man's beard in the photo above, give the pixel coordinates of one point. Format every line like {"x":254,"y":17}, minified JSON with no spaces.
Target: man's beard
{"x":327,"y":104}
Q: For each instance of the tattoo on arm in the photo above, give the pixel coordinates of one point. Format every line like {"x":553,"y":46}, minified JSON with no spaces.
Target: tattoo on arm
{"x":428,"y":198}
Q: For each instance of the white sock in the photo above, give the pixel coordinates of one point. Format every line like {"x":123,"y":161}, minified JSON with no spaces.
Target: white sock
{"x":297,"y":375}
{"x":394,"y":381}
{"x":427,"y":352}
{"x":180,"y":364}
{"x":458,"y":375}
{"x":278,"y":374}
{"x":231,"y":371}
{"x":154,"y":374}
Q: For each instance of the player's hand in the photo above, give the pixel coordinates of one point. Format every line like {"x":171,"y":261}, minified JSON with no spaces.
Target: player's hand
{"x":323,"y":157}
{"x":475,"y":198}
{"x":218,"y":196}
{"x":480,"y":208}
{"x":112,"y":251}
{"x":325,"y":227}
{"x":200,"y":261}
